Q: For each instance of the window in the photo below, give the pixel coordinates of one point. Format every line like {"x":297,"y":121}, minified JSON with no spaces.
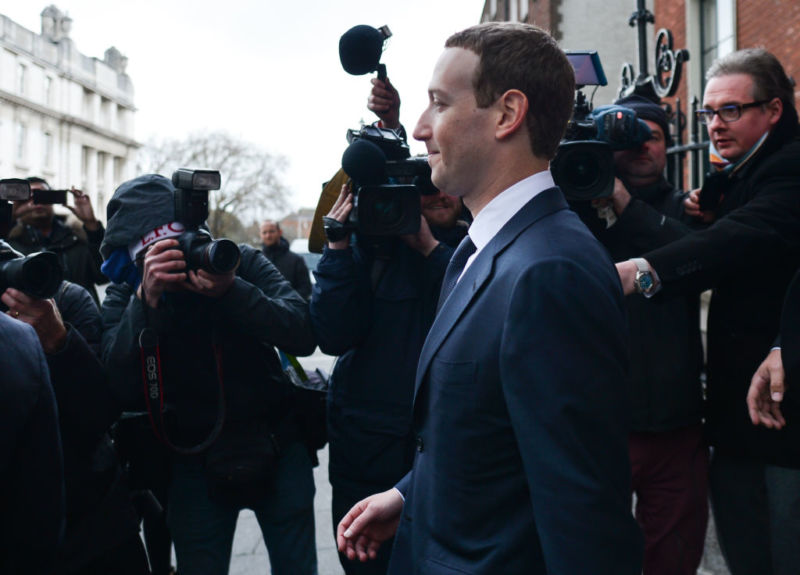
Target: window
{"x":21,"y":148}
{"x":85,"y":153}
{"x":524,"y":8}
{"x":22,"y":78}
{"x":88,"y":104}
{"x":513,"y":15}
{"x":47,"y":150}
{"x":119,"y":166}
{"x":492,"y":9}
{"x":717,"y":30}
{"x":47,"y":91}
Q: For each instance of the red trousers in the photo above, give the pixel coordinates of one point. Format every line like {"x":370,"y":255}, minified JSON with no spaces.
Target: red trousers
{"x":670,"y":480}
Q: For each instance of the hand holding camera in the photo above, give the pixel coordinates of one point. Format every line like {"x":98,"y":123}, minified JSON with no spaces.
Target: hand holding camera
{"x":41,"y":314}
{"x":83,"y":209}
{"x":163,"y":270}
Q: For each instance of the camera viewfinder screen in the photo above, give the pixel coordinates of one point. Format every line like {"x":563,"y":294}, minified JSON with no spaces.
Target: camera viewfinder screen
{"x":588,"y":69}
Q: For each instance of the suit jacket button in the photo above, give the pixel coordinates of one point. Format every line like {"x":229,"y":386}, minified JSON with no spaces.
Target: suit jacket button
{"x":420,"y":444}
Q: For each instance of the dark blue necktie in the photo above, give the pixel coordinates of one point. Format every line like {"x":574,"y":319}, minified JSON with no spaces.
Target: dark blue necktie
{"x":464,"y":250}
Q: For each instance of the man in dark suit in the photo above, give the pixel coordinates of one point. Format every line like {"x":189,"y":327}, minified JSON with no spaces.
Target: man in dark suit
{"x":520,"y":400}
{"x":748,"y":257}
{"x":31,"y":465}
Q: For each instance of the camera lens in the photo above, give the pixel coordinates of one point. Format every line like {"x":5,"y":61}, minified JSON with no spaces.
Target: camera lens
{"x":584,"y":170}
{"x":222,"y":256}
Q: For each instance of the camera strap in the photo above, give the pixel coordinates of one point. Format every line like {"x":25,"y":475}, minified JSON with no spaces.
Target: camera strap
{"x":153,"y":380}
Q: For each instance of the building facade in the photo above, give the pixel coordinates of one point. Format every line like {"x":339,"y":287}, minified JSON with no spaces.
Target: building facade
{"x":580,"y":25}
{"x":64,"y":116}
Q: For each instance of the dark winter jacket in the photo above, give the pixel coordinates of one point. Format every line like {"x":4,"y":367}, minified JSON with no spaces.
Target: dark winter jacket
{"x":31,"y":470}
{"x":748,"y":256}
{"x":260,"y":311}
{"x":290,"y":265}
{"x":666,"y":348}
{"x":378,"y":333}
{"x":78,"y":250}
{"x":99,"y":512}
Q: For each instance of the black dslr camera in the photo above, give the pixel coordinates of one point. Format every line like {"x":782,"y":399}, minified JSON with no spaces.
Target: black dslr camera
{"x":191,"y":209}
{"x":387,"y":183}
{"x":584,"y":164}
{"x":38,"y":275}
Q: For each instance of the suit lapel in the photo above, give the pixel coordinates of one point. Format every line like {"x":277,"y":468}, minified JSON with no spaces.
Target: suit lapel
{"x":479,"y":272}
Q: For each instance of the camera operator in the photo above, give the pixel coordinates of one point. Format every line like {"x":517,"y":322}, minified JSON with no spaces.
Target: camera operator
{"x":373,"y":304}
{"x":32,"y":485}
{"x":214,"y":337}
{"x":76,"y":243}
{"x":101,"y":533}
{"x":669,"y":458}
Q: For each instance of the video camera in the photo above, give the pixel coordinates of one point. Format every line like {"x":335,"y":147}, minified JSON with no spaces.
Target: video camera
{"x":584,"y":163}
{"x":38,"y":275}
{"x":191,"y":209}
{"x":387,"y":183}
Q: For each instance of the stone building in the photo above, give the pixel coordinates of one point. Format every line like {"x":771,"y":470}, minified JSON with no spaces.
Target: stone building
{"x":64,"y":116}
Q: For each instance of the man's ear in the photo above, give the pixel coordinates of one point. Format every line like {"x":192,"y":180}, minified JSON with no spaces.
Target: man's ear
{"x":775,"y":109}
{"x":513,"y":108}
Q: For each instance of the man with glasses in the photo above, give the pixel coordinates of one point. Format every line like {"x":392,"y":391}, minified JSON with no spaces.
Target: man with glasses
{"x":748,"y":256}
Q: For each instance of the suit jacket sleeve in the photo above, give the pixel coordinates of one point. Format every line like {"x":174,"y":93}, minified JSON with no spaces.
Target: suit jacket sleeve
{"x":565,"y":387}
{"x":31,"y":460}
{"x":766,"y":224}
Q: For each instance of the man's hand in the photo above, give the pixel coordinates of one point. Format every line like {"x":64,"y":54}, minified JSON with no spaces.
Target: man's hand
{"x":620,"y":197}
{"x":766,"y":392}
{"x":384,"y":100}
{"x":340,"y":210}
{"x":691,"y":205}
{"x":208,"y":284}
{"x":164,"y":267}
{"x":423,"y":241}
{"x":83,"y":210}
{"x":627,"y":276}
{"x":41,"y":314}
{"x":369,"y":523}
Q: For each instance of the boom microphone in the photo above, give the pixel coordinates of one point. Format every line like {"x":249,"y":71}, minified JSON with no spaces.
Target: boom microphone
{"x":360,"y":50}
{"x":365,"y":163}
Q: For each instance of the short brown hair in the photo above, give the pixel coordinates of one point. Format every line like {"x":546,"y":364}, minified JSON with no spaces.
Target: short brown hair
{"x":525,"y":58}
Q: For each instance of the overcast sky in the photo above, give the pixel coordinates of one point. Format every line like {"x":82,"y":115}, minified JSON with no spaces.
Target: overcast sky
{"x":266,"y":71}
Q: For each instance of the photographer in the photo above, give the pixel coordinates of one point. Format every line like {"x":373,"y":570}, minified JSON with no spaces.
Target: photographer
{"x":668,"y":455}
{"x":213,"y":335}
{"x":76,"y":243}
{"x":373,"y":303}
{"x":101,"y":532}
{"x":32,"y":494}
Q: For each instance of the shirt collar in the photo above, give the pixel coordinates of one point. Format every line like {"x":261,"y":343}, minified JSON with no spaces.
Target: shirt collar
{"x":502,"y":207}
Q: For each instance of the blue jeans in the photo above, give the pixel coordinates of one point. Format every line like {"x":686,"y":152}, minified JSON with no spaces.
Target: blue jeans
{"x":757,"y":512}
{"x":202,"y":530}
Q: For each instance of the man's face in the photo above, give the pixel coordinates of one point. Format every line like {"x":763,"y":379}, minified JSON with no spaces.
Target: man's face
{"x":36,"y":215}
{"x":441,"y":210}
{"x":270,"y":234}
{"x":455,"y":131}
{"x":643,"y":165}
{"x":734,"y":139}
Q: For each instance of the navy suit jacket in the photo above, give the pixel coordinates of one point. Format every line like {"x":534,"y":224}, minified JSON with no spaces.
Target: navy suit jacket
{"x":521,"y":413}
{"x":31,"y":464}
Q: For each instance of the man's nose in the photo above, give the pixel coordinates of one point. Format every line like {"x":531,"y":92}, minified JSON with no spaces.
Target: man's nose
{"x":422,"y":131}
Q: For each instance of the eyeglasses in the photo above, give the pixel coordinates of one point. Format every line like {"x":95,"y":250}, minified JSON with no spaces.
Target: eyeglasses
{"x":729,"y":113}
